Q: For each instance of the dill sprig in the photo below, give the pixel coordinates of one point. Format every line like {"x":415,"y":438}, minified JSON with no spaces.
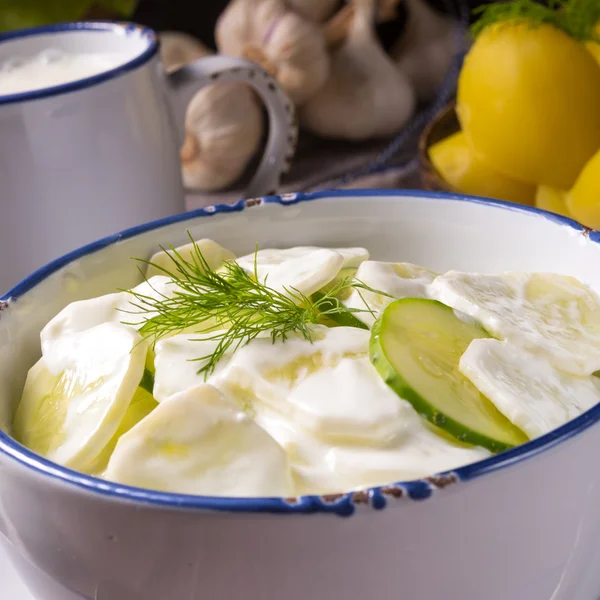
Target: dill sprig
{"x":577,"y":18}
{"x":231,"y":306}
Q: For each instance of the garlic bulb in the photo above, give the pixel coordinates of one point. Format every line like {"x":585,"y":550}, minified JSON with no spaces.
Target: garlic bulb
{"x":426,"y":49}
{"x":288,"y":46}
{"x":224,"y":128}
{"x":366,"y":96}
{"x":313,"y":10}
{"x":223,"y":122}
{"x":178,"y":49}
{"x":336,"y":28}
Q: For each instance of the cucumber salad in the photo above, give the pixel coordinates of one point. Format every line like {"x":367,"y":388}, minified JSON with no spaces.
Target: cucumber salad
{"x":306,"y":370}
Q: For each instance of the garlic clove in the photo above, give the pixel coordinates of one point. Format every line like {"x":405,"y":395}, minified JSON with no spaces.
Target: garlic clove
{"x":287,"y":45}
{"x":303,"y":64}
{"x":178,"y":48}
{"x":236,"y":27}
{"x":223,"y":123}
{"x":224,"y":128}
{"x":255,"y":54}
{"x":336,"y":28}
{"x":425,"y":52}
{"x":313,"y":10}
{"x":366,"y":96}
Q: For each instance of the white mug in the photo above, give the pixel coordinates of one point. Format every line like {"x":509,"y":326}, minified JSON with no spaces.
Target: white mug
{"x":84,"y":159}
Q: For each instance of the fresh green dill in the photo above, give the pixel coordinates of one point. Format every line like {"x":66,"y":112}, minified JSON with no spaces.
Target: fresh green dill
{"x":231,"y":306}
{"x":577,"y":18}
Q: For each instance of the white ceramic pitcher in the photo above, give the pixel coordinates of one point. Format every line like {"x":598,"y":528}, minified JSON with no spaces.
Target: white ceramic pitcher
{"x":84,"y":159}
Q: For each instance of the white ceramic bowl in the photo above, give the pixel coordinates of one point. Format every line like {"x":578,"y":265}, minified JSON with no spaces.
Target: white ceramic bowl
{"x":523,"y":525}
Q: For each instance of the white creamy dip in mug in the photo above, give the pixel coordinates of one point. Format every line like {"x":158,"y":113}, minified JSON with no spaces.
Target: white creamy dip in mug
{"x":53,"y":67}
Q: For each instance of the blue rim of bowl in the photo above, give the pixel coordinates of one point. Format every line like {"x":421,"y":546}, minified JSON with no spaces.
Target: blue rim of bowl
{"x":116,"y":27}
{"x":339,"y":504}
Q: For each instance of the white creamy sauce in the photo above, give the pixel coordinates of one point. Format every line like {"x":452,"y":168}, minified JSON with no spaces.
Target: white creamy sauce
{"x":525,"y":387}
{"x":325,"y":404}
{"x":53,"y":67}
{"x":121,"y":307}
{"x":214,"y":256}
{"x":300,"y":416}
{"x":176,"y":363}
{"x":548,"y":313}
{"x":305,"y":275}
{"x":79,"y":393}
{"x":267,"y":260}
{"x":391,"y":281}
{"x":199,"y":442}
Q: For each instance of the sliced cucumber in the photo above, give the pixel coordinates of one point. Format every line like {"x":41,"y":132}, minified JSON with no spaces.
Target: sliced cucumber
{"x":147,"y":382}
{"x":150,"y":356}
{"x":345,"y":273}
{"x":341,"y":318}
{"x":416,"y":346}
{"x":344,"y":317}
{"x":142,"y":404}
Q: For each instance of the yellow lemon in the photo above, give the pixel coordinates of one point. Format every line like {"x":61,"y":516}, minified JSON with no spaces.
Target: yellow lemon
{"x":456,"y":162}
{"x":583,"y":200}
{"x":552,"y":200}
{"x":529,"y":102}
{"x":594,"y":47}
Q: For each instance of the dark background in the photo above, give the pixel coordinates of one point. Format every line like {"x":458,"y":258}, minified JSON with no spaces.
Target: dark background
{"x":198,"y":17}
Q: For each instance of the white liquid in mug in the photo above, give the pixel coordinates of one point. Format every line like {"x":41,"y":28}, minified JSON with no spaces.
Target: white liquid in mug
{"x":53,"y":67}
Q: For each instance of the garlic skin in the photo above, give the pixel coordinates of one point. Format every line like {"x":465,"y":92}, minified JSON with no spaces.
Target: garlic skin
{"x":224,"y":128}
{"x":313,"y":10}
{"x":285,"y":44}
{"x":178,"y":48}
{"x":223,"y":122}
{"x":427,"y":48}
{"x":366,"y":96}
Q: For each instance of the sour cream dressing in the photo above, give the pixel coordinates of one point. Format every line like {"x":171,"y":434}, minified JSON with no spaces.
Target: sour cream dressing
{"x":300,"y":416}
